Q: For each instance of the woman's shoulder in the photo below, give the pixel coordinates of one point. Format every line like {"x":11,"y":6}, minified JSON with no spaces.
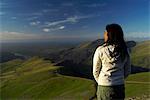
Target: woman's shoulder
{"x":101,"y":46}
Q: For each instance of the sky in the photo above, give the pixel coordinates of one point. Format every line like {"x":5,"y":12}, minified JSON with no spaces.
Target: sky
{"x":71,"y":19}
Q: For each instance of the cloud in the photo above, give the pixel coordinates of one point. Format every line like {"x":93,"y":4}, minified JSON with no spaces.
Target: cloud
{"x":34,"y":14}
{"x":16,"y":36}
{"x":2,"y":4}
{"x":54,"y":26}
{"x":46,"y":30}
{"x":49,"y":10}
{"x":6,"y":36}
{"x":73,"y":19}
{"x":2,"y":13}
{"x":61,"y":27}
{"x":34,"y":23}
{"x":53,"y":29}
{"x":6,"y":4}
{"x":138,"y":34}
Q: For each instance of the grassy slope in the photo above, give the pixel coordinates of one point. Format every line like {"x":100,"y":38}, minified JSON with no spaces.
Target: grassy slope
{"x":42,"y":84}
{"x":31,"y":79}
{"x":138,"y":84}
{"x":10,"y":65}
{"x":140,"y":55}
{"x":43,"y":87}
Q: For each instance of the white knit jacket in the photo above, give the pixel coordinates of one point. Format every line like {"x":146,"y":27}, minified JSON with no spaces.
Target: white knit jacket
{"x":106,"y":71}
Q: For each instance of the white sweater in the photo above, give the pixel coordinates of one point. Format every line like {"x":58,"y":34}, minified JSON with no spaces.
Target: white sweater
{"x":107,"y":72}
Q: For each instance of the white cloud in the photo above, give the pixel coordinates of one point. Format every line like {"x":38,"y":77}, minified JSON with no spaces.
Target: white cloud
{"x":69,"y":20}
{"x":5,"y":36}
{"x":53,"y":29}
{"x":16,"y":36}
{"x":49,"y":10}
{"x":138,"y":34}
{"x":35,"y":14}
{"x":72,"y":19}
{"x":34,"y":23}
{"x":2,"y":13}
{"x":61,"y":27}
{"x":46,"y":30}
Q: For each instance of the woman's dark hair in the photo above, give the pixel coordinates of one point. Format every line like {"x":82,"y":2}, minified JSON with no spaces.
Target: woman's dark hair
{"x":116,"y":37}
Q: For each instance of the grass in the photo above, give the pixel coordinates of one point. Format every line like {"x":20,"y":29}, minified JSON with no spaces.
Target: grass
{"x":38,"y":79}
{"x":138,"y":84}
{"x":47,"y":87}
{"x":10,"y":65}
{"x":140,"y":55}
{"x":43,"y":82}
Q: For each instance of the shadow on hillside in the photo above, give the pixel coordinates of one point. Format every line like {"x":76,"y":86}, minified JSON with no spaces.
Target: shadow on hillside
{"x":85,"y":71}
{"x":75,"y":59}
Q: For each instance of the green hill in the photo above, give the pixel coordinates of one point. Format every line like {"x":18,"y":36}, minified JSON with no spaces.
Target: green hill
{"x":10,"y":65}
{"x":138,"y":86}
{"x":77,"y":61}
{"x":140,"y":55}
{"x":38,"y":79}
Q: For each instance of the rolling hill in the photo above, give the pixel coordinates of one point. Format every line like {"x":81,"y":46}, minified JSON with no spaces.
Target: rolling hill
{"x":44,"y":82}
{"x":82,"y":53}
{"x":140,"y":55}
{"x":38,"y":79}
{"x":45,"y":77}
{"x":77,"y":61}
{"x":7,"y":56}
{"x":138,"y":86}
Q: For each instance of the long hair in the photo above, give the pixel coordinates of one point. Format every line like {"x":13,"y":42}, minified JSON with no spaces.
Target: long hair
{"x":116,"y":37}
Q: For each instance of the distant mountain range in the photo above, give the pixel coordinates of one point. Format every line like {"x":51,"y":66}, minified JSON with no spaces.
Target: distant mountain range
{"x":7,"y":56}
{"x":81,"y":53}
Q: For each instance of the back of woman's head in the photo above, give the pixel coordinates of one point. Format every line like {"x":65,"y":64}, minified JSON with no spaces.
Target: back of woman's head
{"x":116,"y":37}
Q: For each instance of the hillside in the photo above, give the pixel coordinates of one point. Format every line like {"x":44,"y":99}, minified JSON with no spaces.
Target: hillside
{"x":7,"y":56}
{"x":138,"y":86}
{"x":41,"y":78}
{"x":77,"y":61}
{"x":38,"y":79}
{"x":23,"y":50}
{"x":141,"y":54}
{"x":82,"y":53}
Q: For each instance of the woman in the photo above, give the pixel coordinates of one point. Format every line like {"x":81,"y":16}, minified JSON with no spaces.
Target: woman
{"x":111,"y":64}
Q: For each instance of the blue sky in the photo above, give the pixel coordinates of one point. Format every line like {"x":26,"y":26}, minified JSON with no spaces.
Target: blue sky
{"x":71,"y":19}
